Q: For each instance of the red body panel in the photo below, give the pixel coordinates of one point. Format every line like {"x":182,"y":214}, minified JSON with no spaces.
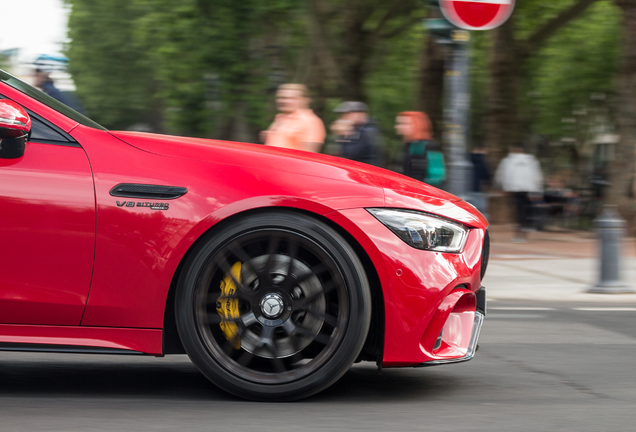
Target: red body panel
{"x":140,"y":340}
{"x":47,"y":227}
{"x":137,"y":250}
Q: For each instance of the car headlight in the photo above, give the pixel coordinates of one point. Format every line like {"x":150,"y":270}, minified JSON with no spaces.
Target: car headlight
{"x":423,"y":231}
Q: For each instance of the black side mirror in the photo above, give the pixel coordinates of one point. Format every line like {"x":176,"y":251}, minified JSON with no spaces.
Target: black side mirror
{"x":15,"y":127}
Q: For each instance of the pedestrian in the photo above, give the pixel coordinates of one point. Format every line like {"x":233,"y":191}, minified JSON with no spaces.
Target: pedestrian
{"x":423,"y":157}
{"x":357,"y":136}
{"x":44,"y":82}
{"x":481,"y":178}
{"x":519,"y":174}
{"x":295,"y":126}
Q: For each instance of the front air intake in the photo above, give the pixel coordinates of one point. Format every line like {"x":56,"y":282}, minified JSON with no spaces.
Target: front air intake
{"x":485,"y":254}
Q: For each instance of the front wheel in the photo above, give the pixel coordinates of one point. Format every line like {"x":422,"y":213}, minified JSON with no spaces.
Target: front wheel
{"x":274,"y":306}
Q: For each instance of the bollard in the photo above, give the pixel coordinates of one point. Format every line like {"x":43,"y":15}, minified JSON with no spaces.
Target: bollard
{"x":611,"y":229}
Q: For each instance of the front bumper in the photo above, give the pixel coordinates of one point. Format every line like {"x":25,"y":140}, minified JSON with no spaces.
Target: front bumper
{"x":431,"y":299}
{"x":472,"y":346}
{"x":480,"y":314}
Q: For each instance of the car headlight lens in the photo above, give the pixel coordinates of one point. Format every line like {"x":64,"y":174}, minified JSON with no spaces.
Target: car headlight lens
{"x":423,"y":231}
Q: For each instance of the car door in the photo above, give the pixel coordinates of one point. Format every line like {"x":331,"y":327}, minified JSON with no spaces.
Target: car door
{"x":47,"y":230}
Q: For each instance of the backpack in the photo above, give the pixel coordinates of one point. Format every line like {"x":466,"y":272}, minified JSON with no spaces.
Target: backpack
{"x":425,"y":162}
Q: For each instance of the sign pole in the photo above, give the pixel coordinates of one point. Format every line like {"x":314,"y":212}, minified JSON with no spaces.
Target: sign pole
{"x":457,"y":114}
{"x":465,"y":15}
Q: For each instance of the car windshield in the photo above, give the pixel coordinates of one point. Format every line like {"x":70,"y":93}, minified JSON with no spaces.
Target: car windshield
{"x":47,"y":100}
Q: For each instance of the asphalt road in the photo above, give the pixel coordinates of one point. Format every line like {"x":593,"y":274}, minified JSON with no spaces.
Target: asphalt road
{"x":558,"y":367}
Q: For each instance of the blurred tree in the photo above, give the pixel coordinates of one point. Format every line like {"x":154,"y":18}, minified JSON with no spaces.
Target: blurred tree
{"x":575,"y":64}
{"x":570,"y":87}
{"x":112,"y":73}
{"x":522,"y":36}
{"x":211,"y":60}
{"x":621,"y":191}
{"x":431,"y":88}
{"x":392,"y":86}
{"x":344,"y":37}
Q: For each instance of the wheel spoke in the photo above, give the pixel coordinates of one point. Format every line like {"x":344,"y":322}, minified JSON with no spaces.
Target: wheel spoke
{"x":329,"y":319}
{"x":301,"y":303}
{"x":292,"y":251}
{"x":267,"y":338}
{"x":292,"y":281}
{"x":278,"y":364}
{"x":272,"y":247}
{"x":245,"y":358}
{"x":228,"y":346}
{"x":296,"y":357}
{"x":248,"y":319}
{"x":243,"y":257}
{"x":215,"y":318}
{"x":289,"y":327}
{"x":267,"y":341}
{"x":323,"y":339}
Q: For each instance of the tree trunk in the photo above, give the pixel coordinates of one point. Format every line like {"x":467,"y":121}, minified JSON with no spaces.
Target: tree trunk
{"x":354,"y":61}
{"x":622,"y":173}
{"x":502,"y":116}
{"x":431,"y":95}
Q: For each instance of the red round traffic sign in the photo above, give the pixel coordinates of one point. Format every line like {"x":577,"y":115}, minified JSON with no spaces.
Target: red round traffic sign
{"x":477,"y":14}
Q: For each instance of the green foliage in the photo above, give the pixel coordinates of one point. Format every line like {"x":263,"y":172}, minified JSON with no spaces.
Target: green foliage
{"x":479,"y":82}
{"x":579,"y":62}
{"x":393,"y":85}
{"x":111,"y":71}
{"x":209,"y":57}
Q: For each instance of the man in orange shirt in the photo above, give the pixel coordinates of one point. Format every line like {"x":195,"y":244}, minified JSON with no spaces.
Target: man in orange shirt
{"x":296,"y":126}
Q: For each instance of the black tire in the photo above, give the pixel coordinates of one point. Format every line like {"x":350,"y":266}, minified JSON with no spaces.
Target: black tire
{"x":301,"y":306}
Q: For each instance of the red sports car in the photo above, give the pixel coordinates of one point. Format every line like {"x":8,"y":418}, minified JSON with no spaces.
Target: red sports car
{"x":274,"y":270}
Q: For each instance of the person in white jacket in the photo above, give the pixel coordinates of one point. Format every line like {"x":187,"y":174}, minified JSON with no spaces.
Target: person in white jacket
{"x":519,"y":174}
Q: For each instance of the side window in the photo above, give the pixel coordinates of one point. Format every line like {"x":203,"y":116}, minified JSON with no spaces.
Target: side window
{"x":40,"y":131}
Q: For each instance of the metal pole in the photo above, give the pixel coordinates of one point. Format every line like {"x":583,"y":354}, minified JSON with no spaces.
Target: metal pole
{"x":457,"y":114}
{"x":611,"y":230}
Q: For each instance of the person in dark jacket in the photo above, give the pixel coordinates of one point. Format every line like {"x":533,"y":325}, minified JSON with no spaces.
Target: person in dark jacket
{"x":44,"y":82}
{"x":357,"y":134}
{"x":423,"y":158}
{"x":481,"y":179}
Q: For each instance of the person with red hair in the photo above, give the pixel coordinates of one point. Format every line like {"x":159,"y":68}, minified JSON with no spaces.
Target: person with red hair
{"x":423,"y":158}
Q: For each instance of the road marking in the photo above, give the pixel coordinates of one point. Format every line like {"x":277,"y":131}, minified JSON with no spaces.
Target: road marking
{"x":606,"y":309}
{"x":520,"y":257}
{"x":521,"y":308}
{"x":515,"y":316}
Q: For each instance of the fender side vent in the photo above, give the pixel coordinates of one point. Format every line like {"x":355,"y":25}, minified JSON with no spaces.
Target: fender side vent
{"x":129,"y":190}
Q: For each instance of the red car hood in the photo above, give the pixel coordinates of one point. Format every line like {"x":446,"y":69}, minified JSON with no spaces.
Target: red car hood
{"x":292,"y":161}
{"x":400,"y":191}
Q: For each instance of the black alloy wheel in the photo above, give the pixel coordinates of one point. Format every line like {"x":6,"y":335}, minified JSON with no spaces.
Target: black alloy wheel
{"x":274,"y":306}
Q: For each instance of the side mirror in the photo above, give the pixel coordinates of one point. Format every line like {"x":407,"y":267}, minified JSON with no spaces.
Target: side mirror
{"x":15,"y":127}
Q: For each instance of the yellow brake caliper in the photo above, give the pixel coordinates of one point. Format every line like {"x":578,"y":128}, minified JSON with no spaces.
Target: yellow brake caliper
{"x":228,"y":305}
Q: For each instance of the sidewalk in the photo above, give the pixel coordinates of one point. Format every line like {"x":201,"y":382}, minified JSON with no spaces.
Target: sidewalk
{"x":551,"y":266}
